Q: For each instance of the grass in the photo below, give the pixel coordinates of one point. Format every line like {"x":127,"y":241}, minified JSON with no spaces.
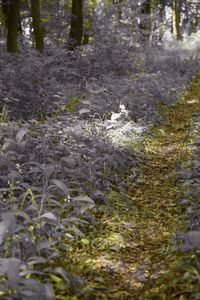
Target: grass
{"x":71,"y":105}
{"x":4,"y":114}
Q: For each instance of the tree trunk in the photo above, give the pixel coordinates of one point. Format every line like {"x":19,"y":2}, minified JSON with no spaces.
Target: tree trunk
{"x":39,"y":37}
{"x":76,"y":30}
{"x":146,"y":23}
{"x":88,"y":12}
{"x":176,"y":20}
{"x":11,"y":11}
{"x":5,"y":11}
{"x":148,"y":5}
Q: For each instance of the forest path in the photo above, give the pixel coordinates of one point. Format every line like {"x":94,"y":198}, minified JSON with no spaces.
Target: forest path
{"x":127,"y":255}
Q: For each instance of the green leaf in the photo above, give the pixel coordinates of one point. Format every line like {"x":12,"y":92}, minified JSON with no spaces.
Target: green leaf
{"x":85,"y":241}
{"x":61,"y":185}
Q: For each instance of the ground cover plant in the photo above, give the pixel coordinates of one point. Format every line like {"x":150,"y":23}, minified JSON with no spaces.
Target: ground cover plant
{"x":90,"y":140}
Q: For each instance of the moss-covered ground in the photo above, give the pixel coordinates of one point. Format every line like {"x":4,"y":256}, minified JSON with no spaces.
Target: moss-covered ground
{"x":129,"y":253}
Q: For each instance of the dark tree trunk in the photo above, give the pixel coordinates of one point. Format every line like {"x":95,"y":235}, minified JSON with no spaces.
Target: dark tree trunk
{"x":5,"y":11}
{"x":11,"y":11}
{"x":148,"y":5}
{"x":76,"y":30}
{"x":38,"y":33}
{"x":146,"y":25}
{"x":176,"y":17}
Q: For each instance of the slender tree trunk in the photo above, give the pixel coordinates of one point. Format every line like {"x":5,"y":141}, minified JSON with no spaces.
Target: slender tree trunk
{"x":5,"y":11}
{"x":162,"y":19}
{"x":146,"y":24}
{"x":88,"y":11}
{"x":39,"y":37}
{"x":148,"y":6}
{"x":176,"y":17}
{"x":87,"y":21}
{"x":11,"y":11}
{"x":76,"y":30}
{"x":195,"y":18}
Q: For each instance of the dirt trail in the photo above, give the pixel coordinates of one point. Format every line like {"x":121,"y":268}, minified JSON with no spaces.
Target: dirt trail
{"x":128,"y":253}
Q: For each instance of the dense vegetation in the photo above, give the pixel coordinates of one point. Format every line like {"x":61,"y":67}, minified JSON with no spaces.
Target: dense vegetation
{"x":87,"y":93}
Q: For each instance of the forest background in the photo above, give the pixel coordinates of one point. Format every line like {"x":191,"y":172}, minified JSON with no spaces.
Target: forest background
{"x":81,"y":82}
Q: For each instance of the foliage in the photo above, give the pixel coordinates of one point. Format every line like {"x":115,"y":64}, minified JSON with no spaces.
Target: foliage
{"x":118,"y":67}
{"x":44,"y":207}
{"x":64,"y":169}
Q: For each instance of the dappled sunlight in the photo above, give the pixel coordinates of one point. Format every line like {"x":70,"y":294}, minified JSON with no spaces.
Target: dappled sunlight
{"x":192,"y":101}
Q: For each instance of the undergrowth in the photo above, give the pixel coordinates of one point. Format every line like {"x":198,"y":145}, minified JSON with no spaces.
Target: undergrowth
{"x":82,"y":217}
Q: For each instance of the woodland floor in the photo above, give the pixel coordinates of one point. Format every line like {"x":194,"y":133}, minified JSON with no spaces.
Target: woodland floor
{"x":121,"y":243}
{"x":130,"y":253}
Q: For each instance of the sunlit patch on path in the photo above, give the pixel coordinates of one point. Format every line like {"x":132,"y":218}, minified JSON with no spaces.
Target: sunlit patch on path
{"x":128,"y":255}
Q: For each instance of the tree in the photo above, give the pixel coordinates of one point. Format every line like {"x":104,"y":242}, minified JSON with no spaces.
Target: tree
{"x":11,"y":11}
{"x":176,"y":17}
{"x":146,"y":25}
{"x":148,"y":6}
{"x":89,"y":7}
{"x":38,"y":33}
{"x":76,"y":29}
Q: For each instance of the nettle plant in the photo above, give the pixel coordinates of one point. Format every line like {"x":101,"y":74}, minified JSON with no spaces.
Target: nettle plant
{"x":38,"y":215}
{"x":49,"y":190}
